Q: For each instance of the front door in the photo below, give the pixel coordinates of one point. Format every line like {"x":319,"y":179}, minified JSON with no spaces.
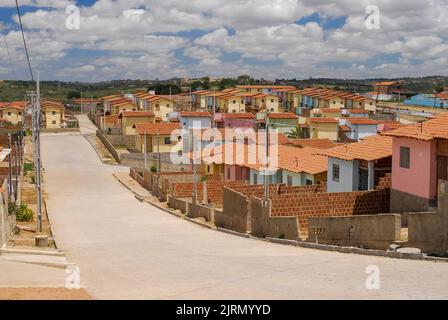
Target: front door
{"x":363,"y":180}
{"x":442,"y":168}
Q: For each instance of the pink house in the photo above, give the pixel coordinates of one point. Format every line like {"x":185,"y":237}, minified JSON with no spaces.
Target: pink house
{"x":235,"y":120}
{"x":419,"y":161}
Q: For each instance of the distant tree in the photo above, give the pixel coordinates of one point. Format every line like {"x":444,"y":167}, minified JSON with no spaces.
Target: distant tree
{"x":245,"y":80}
{"x":73,"y":94}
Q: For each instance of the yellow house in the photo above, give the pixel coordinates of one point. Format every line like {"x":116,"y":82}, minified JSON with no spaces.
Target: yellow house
{"x":323,"y":128}
{"x":232,"y":103}
{"x":13,"y":112}
{"x":327,"y":113}
{"x":161,"y":106}
{"x":159,"y":137}
{"x":53,"y":114}
{"x":130,"y":118}
{"x":106,"y":101}
{"x":331,"y":101}
{"x":365,"y":104}
{"x":262,"y":102}
{"x":118,"y":106}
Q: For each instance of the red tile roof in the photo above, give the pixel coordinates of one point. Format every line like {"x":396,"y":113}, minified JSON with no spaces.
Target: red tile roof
{"x":163,"y":128}
{"x":369,"y":149}
{"x":195,"y":114}
{"x":323,"y":120}
{"x":129,"y":114}
{"x":287,"y":115}
{"x":314,"y":143}
{"x":362,"y":121}
{"x":238,"y":116}
{"x":426,"y":131}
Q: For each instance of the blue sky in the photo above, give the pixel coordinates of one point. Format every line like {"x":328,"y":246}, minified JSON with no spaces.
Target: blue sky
{"x":263,"y":38}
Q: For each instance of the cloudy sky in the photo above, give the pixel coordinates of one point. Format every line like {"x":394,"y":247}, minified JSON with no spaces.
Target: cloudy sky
{"x":148,"y":39}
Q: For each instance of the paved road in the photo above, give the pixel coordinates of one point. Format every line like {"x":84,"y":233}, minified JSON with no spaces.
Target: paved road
{"x":127,"y":249}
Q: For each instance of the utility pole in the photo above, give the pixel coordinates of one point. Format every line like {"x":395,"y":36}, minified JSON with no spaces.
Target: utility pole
{"x":81,"y":103}
{"x":194,"y":169}
{"x":146,"y":153}
{"x":266,"y":177}
{"x":37,"y":158}
{"x":10,"y":166}
{"x":399,"y":101}
{"x":158,"y":152}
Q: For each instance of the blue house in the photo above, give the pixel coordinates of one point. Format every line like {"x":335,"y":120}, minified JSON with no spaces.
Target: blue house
{"x":426,"y":100}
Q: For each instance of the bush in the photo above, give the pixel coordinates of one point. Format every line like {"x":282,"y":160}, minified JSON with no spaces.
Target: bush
{"x":22,"y":212}
{"x":28,"y":167}
{"x":153,"y":168}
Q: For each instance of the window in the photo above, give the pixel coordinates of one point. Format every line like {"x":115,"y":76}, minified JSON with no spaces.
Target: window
{"x":405,"y":157}
{"x":228,"y":173}
{"x":234,"y":101}
{"x":167,"y":105}
{"x":54,"y":112}
{"x":272,"y":100}
{"x":289,"y":181}
{"x":9,"y":113}
{"x":167,"y":140}
{"x":334,"y":102}
{"x":336,"y":172}
{"x":208,"y":169}
{"x":53,"y":122}
{"x":262,"y":100}
{"x":242,"y":101}
{"x":20,"y":113}
{"x":255,"y":178}
{"x":309,"y":182}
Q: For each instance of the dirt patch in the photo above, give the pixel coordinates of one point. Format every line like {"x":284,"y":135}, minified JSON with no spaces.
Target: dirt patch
{"x":43,"y":294}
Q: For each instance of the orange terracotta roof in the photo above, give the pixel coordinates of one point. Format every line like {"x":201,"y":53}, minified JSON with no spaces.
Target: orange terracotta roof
{"x":195,"y":114}
{"x":386,"y":83}
{"x":133,"y":114}
{"x":323,"y":120}
{"x":286,"y":115}
{"x":369,"y":149}
{"x":163,"y":128}
{"x":314,"y":143}
{"x":362,"y":121}
{"x":357,"y":111}
{"x":329,"y":110}
{"x":345,"y":128}
{"x":264,"y":87}
{"x":426,"y":131}
{"x":238,"y":116}
{"x":13,"y":104}
{"x":121,"y":102}
{"x":114,"y":119}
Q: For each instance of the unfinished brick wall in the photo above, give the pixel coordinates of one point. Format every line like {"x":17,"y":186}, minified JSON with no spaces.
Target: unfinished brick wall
{"x":215,"y":190}
{"x":276,"y":189}
{"x":322,"y":204}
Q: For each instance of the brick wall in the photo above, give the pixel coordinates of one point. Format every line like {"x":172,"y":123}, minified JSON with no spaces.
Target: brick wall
{"x":215,"y":190}
{"x":322,"y":204}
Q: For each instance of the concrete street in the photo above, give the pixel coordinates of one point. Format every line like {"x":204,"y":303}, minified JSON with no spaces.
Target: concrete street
{"x":130,"y":250}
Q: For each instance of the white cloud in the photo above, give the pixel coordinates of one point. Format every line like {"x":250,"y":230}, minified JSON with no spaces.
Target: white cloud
{"x":139,"y":38}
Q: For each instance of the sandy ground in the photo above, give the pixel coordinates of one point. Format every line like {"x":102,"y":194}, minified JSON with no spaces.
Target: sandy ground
{"x":43,"y":294}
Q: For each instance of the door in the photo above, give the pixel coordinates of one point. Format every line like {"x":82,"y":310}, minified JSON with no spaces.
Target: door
{"x":363,"y":180}
{"x":442,"y":168}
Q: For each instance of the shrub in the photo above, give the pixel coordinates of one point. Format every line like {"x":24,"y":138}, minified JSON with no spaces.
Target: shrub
{"x":22,"y":212}
{"x":28,"y":167}
{"x":153,"y":168}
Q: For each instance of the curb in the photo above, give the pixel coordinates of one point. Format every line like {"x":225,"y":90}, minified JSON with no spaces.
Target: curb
{"x":103,"y":160}
{"x":301,"y":244}
{"x":32,"y":252}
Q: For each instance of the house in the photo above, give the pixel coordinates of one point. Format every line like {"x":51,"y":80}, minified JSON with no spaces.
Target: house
{"x":13,"y":112}
{"x":327,"y":113}
{"x":235,"y":120}
{"x":161,"y":106}
{"x":129,"y":118}
{"x":111,"y":123}
{"x":296,"y":167}
{"x":358,"y":166}
{"x":364,"y":103}
{"x":199,"y":99}
{"x":232,"y":103}
{"x":165,"y":137}
{"x":87,"y":104}
{"x":106,"y":101}
{"x":267,"y":89}
{"x":420,"y":160}
{"x":331,"y":101}
{"x":265,"y":102}
{"x":323,"y":128}
{"x":427,"y":100}
{"x":283,"y":122}
{"x":357,"y":113}
{"x":190,"y":120}
{"x":53,"y":114}
{"x":117,"y":106}
{"x":389,"y":88}
{"x":360,"y":128}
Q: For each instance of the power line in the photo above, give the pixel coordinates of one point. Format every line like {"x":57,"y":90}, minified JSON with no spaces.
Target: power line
{"x":13,"y":69}
{"x":24,"y":41}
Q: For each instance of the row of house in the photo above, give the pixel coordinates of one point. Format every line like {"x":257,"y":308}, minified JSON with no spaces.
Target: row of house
{"x":15,"y":113}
